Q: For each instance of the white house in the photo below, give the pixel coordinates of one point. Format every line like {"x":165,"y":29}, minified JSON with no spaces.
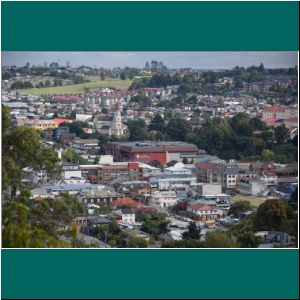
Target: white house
{"x":128,"y":216}
{"x":163,"y":199}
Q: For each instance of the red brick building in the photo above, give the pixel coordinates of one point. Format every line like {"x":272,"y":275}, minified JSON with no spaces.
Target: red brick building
{"x":158,"y":153}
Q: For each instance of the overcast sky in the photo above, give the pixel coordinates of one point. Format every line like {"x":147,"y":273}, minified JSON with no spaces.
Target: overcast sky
{"x":197,"y":60}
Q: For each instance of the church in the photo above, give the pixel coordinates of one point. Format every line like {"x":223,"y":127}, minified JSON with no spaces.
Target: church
{"x":110,"y":125}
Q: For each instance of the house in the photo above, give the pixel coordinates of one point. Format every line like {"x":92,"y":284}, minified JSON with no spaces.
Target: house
{"x":127,"y":215}
{"x":178,"y":169}
{"x":163,"y":199}
{"x":100,"y":194}
{"x":204,"y":212}
{"x":269,"y":179}
{"x":93,"y":221}
{"x":70,"y":170}
{"x":126,"y":202}
{"x":39,"y":194}
{"x":67,"y":137}
{"x":263,"y":168}
{"x":41,"y":124}
{"x":272,"y":239}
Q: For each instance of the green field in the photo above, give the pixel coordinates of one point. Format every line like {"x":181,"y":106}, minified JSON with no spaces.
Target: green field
{"x":94,"y":83}
{"x":253,"y":201}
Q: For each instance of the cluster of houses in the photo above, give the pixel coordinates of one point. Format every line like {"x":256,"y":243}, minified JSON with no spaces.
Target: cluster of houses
{"x":147,"y":176}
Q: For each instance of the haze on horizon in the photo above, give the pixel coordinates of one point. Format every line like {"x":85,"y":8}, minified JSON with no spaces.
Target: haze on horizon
{"x":173,"y":60}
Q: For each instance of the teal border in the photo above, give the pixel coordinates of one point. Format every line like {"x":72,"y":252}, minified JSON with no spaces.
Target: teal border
{"x":147,"y":26}
{"x":159,"y":26}
{"x":146,"y":274}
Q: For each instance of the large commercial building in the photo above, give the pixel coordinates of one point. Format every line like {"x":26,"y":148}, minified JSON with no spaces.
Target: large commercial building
{"x":157,"y":153}
{"x":121,"y":171}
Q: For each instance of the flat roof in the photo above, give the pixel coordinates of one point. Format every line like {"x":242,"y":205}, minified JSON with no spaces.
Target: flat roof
{"x":152,"y":146}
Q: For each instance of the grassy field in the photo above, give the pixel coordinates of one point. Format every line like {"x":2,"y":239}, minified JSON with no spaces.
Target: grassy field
{"x":94,"y":83}
{"x":254,"y":201}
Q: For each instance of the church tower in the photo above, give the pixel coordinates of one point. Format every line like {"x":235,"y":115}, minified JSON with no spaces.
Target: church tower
{"x":116,"y":126}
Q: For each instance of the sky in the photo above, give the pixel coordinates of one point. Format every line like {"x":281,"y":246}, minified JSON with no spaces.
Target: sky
{"x":196,"y":60}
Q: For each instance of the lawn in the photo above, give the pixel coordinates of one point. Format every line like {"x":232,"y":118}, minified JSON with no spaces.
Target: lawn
{"x":254,"y":201}
{"x":94,"y":83}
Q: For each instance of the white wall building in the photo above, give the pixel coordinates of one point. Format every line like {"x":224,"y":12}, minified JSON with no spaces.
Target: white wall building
{"x":163,"y":199}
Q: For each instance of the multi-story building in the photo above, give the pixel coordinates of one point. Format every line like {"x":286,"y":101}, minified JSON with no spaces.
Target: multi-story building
{"x":158,"y":153}
{"x":279,"y":112}
{"x":204,"y":171}
{"x":41,"y":124}
{"x":99,"y":195}
{"x":163,"y":199}
{"x":230,"y":177}
{"x":204,"y":212}
{"x":82,"y":145}
{"x":124,"y":172}
{"x":172,"y":182}
{"x":251,"y":186}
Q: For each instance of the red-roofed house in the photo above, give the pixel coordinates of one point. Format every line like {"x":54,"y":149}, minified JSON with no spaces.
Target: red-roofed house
{"x":204,"y":212}
{"x":126,"y":201}
{"x":291,"y":122}
{"x":61,"y":120}
{"x":272,"y":121}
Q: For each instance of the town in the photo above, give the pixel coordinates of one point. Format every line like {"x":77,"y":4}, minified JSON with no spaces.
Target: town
{"x":151,"y":157}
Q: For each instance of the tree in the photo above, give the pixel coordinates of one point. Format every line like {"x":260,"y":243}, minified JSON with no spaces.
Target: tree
{"x":192,"y":233}
{"x":41,"y":84}
{"x":137,"y":130}
{"x":154,"y":65}
{"x":123,"y":76}
{"x":185,"y":161}
{"x":293,"y":202}
{"x":18,"y":232}
{"x":157,"y":123}
{"x":73,"y":115}
{"x":281,"y":134}
{"x":155,"y":224}
{"x":267,"y":155}
{"x":21,"y":85}
{"x":178,"y":128}
{"x":271,"y":215}
{"x":245,"y":234}
{"x":218,"y":240}
{"x":54,"y":65}
{"x":47,"y":83}
{"x":137,"y":242}
{"x":238,"y":207}
{"x":147,"y":66}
